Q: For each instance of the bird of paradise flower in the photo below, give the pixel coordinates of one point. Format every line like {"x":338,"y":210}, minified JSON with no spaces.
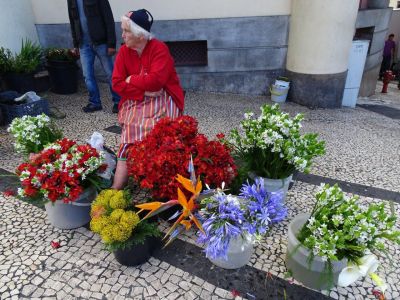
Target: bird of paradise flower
{"x":186,"y":217}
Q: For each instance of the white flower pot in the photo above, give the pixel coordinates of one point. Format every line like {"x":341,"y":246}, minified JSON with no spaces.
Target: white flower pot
{"x":73,"y":214}
{"x":276,"y":185}
{"x":239,"y":253}
{"x":313,"y":275}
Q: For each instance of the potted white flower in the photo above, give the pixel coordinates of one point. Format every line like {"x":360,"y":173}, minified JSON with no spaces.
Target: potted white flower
{"x":334,"y":245}
{"x":271,"y":146}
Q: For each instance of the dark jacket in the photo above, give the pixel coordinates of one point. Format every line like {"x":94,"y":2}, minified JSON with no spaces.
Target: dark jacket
{"x":100,"y":22}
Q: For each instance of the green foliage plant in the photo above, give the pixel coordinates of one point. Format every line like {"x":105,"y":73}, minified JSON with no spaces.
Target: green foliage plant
{"x":6,"y":58}
{"x":28,"y":59}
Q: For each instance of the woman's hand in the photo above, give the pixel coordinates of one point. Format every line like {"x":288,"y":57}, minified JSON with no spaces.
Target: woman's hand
{"x":154,"y":94}
{"x":111,"y":51}
{"x":128,"y":79}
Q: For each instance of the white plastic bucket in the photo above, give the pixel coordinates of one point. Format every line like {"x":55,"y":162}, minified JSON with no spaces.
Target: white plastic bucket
{"x":282,"y":83}
{"x":279,"y":93}
{"x":239,"y":253}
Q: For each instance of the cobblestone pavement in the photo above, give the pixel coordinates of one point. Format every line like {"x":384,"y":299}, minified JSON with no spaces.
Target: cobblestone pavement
{"x":362,"y":147}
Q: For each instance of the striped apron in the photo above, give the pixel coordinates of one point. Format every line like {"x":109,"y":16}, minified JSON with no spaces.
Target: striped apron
{"x":137,"y":118}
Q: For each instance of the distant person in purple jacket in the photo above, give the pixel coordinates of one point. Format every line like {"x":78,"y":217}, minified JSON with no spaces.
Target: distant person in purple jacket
{"x":388,"y":55}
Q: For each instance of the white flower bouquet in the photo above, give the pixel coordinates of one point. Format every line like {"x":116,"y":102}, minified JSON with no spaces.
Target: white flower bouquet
{"x":271,"y":145}
{"x":339,"y":228}
{"x":32,"y":134}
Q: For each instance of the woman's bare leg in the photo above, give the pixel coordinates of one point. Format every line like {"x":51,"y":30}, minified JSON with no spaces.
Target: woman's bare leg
{"x":121,"y":175}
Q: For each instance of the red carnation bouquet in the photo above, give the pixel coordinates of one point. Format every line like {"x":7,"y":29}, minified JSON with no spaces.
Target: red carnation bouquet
{"x":165,"y":152}
{"x":60,"y":171}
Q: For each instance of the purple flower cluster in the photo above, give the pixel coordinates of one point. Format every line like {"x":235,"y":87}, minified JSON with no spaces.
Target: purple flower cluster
{"x":225,"y":217}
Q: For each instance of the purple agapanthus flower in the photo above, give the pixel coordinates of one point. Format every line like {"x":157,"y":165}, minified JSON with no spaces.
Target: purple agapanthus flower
{"x":225,"y":217}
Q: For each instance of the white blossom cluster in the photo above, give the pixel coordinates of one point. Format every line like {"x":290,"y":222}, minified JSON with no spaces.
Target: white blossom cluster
{"x":31,"y":134}
{"x":276,"y":134}
{"x":338,"y":227}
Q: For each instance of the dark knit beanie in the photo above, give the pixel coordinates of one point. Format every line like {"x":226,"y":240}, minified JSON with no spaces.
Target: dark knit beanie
{"x":143,"y":18}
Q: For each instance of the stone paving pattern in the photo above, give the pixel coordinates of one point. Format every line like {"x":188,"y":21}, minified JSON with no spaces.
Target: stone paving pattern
{"x":362,"y":147}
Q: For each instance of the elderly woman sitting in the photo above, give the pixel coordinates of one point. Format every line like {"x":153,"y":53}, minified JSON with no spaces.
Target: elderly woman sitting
{"x":145,"y":78}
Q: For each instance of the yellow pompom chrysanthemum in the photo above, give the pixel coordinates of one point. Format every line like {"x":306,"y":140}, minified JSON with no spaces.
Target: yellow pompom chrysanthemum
{"x":121,"y":232}
{"x":116,"y":214}
{"x":97,"y":210}
{"x":118,"y":200}
{"x":130,"y":218}
{"x":97,"y":224}
{"x":107,"y":234}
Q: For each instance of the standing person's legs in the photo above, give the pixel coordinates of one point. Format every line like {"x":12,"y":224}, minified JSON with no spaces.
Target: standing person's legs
{"x":108,"y":66}
{"x":385,"y":65}
{"x":87,"y":56}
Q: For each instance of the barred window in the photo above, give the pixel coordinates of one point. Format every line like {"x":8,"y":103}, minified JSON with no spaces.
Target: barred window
{"x":189,"y":53}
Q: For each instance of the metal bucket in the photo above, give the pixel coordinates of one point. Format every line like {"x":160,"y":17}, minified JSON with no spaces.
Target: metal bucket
{"x":73,"y":214}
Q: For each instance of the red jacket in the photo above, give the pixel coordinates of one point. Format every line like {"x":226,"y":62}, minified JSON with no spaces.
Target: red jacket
{"x":151,"y":72}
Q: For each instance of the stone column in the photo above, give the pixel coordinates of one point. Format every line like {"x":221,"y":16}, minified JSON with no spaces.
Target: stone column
{"x":320,"y":38}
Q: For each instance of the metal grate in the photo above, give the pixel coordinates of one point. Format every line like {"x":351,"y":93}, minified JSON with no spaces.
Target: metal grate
{"x":189,"y":53}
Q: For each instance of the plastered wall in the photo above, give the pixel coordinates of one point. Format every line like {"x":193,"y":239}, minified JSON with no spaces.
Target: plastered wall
{"x":16,"y":22}
{"x":55,"y":11}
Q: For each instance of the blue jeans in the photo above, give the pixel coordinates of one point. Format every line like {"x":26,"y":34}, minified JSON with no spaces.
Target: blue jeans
{"x":88,"y":54}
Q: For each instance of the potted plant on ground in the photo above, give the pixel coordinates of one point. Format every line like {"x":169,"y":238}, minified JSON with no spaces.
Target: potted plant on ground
{"x":334,"y":244}
{"x":33,"y":133}
{"x":6,"y":57}
{"x":62,"y":67}
{"x":271,"y":146}
{"x":121,"y":230}
{"x":232,"y":224}
{"x":165,"y":152}
{"x":23,"y":66}
{"x":63,"y":175}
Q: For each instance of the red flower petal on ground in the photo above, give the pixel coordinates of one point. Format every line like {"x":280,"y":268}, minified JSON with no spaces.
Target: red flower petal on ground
{"x":235,"y":293}
{"x":378,"y":294}
{"x":9,"y":192}
{"x":55,"y":245}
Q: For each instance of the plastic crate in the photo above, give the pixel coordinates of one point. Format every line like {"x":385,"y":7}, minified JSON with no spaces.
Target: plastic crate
{"x":26,"y":109}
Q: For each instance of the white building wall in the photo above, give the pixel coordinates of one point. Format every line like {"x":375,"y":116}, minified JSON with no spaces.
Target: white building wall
{"x":55,"y":11}
{"x":17,"y":22}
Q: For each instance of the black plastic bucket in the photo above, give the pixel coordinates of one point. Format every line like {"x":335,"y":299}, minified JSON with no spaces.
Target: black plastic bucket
{"x":136,"y":255}
{"x":64,"y":77}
